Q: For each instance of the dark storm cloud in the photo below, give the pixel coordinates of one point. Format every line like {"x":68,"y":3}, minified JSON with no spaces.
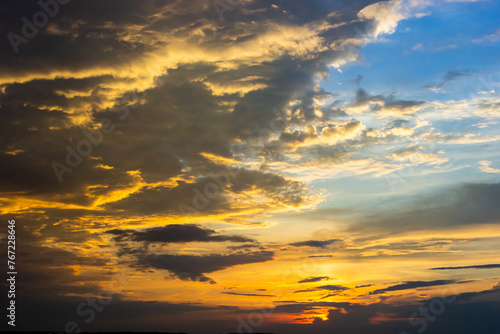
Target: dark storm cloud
{"x":193,"y":267}
{"x":480,"y":266}
{"x":176,"y":234}
{"x":315,"y":243}
{"x":314,"y":279}
{"x":414,"y":285}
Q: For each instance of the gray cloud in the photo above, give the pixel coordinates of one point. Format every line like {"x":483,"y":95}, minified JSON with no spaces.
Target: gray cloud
{"x":481,"y":266}
{"x":301,"y":307}
{"x":193,"y":267}
{"x":315,"y":243}
{"x":54,"y":313}
{"x":247,"y":294}
{"x":362,"y":98}
{"x":329,"y":287}
{"x":314,"y":279}
{"x":465,"y":204}
{"x":176,"y":234}
{"x":451,"y":76}
{"x":414,"y":285}
{"x":478,"y":313}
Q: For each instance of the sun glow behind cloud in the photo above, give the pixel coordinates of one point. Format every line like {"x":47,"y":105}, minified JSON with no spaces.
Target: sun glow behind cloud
{"x":227,"y":168}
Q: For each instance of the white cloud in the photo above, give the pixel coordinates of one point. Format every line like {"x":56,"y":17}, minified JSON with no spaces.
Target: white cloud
{"x":486,"y":167}
{"x":418,"y":46}
{"x":385,"y":14}
{"x":495,"y":37}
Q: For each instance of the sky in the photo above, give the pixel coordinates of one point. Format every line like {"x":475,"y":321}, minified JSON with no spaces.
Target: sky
{"x":247,"y":166}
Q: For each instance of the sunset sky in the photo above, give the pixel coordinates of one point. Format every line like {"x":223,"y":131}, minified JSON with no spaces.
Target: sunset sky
{"x":285,"y":166}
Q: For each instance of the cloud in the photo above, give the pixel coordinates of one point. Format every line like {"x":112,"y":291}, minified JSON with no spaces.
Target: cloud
{"x":119,"y":313}
{"x":193,"y":267}
{"x":482,"y":266}
{"x":462,"y":312}
{"x":245,"y":246}
{"x":199,"y":97}
{"x":465,"y":204}
{"x":408,"y":247}
{"x":418,"y":46}
{"x":413,"y":285}
{"x":329,"y":287}
{"x":495,"y":37}
{"x":364,"y":102}
{"x":451,"y":76}
{"x":140,"y":67}
{"x":486,"y":167}
{"x":49,"y":271}
{"x":315,"y":243}
{"x":175,"y":234}
{"x":385,"y":14}
{"x":414,"y":155}
{"x":153,"y":163}
{"x":314,"y":279}
{"x":301,"y":307}
{"x":247,"y":294}
{"x":332,"y":287}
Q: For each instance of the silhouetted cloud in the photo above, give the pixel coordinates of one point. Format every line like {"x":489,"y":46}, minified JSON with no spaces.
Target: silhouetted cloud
{"x":481,"y":266}
{"x":176,"y":234}
{"x":314,"y":279}
{"x":301,"y":307}
{"x":247,"y":294}
{"x":328,"y":287}
{"x":315,"y":243}
{"x":193,"y":267}
{"x":414,"y":285}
